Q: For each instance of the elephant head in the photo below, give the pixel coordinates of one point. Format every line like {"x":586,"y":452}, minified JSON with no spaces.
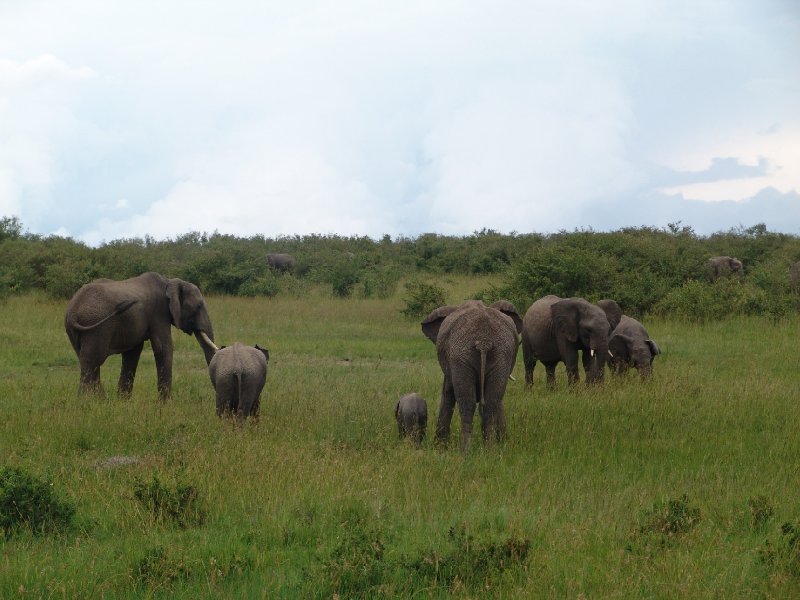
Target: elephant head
{"x":187,"y":309}
{"x":630,"y":345}
{"x":585,"y":325}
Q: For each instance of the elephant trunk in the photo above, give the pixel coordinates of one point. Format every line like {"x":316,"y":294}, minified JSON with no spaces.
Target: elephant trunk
{"x":599,"y":354}
{"x":207,"y":344}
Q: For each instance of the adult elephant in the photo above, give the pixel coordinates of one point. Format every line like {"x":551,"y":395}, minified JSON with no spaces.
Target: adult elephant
{"x":722,"y":266}
{"x":107,"y":317}
{"x":555,"y":330}
{"x":476,"y":346}
{"x":631,"y":346}
{"x":280,"y":262}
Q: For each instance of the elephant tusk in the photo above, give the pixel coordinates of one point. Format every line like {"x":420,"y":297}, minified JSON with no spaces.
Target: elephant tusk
{"x":511,"y":377}
{"x":611,"y":355}
{"x":207,"y":340}
{"x":591,"y":352}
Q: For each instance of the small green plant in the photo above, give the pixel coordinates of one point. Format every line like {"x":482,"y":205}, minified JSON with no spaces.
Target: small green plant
{"x":784,"y":555}
{"x":29,"y":502}
{"x":421,"y":298}
{"x":761,"y":511}
{"x":180,"y":505}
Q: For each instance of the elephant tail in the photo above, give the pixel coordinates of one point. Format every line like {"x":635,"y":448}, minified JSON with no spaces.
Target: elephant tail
{"x":483,"y":347}
{"x":118,"y":310}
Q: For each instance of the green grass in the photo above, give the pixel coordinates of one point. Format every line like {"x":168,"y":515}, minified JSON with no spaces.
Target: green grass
{"x":321,"y":498}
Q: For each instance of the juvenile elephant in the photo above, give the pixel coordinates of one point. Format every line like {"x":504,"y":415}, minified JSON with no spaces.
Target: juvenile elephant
{"x":722,"y":266}
{"x":476,"y":346}
{"x":554,"y":330}
{"x":411,"y":412}
{"x":280,"y":262}
{"x":631,"y":346}
{"x":107,"y":317}
{"x":238,"y":374}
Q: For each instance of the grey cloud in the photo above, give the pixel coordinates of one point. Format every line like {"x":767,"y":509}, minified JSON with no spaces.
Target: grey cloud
{"x":721,"y":169}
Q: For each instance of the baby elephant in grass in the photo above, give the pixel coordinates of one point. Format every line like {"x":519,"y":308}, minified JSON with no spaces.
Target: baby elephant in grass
{"x":412,"y":417}
{"x":238,"y":374}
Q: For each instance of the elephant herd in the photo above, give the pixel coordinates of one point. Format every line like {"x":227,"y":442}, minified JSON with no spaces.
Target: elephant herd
{"x":476,"y":346}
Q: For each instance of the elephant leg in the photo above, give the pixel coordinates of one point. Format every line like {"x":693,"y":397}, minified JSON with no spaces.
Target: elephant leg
{"x":90,"y":378}
{"x":571,"y":363}
{"x":466,"y":398}
{"x":550,"y":369}
{"x":493,"y":415}
{"x":446,"y":408}
{"x":130,"y":360}
{"x":162,"y":352}
{"x":529,"y":362}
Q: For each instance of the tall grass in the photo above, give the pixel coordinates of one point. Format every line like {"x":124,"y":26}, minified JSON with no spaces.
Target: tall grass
{"x":322,"y":498}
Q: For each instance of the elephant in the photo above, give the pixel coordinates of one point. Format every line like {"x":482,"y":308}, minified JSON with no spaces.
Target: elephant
{"x":107,"y":317}
{"x":554,"y":330}
{"x":631,"y":346}
{"x":411,"y":412}
{"x":476,"y":346}
{"x":722,"y":266}
{"x":281,"y":262}
{"x":613,"y":312}
{"x":238,"y":374}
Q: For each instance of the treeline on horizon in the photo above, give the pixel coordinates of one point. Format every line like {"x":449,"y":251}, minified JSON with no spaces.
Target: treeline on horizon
{"x":646,"y":270}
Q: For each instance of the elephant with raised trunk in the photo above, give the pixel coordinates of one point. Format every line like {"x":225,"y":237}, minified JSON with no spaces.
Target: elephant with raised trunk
{"x":556,"y":329}
{"x":723,"y":266}
{"x":280,"y":262}
{"x":411,"y":412}
{"x":631,"y":346}
{"x":107,"y":317}
{"x":238,"y":374}
{"x":476,"y":346}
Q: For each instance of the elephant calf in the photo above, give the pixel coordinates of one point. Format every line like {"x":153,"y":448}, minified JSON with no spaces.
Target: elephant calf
{"x":238,"y":374}
{"x":631,"y":346}
{"x":411,"y":412}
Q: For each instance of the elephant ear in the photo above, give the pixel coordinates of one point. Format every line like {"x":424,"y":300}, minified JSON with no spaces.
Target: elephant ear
{"x":619,"y":345}
{"x":508,"y":309}
{"x":175,"y":296}
{"x":612,"y":310}
{"x":432,"y":323}
{"x":263,"y":351}
{"x":654,"y":349}
{"x":565,"y":319}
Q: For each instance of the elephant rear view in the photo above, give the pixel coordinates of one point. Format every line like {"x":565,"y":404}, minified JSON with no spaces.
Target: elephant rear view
{"x":238,"y":374}
{"x":723,"y":266}
{"x":555,"y":330}
{"x":476,"y":346}
{"x":411,"y":412}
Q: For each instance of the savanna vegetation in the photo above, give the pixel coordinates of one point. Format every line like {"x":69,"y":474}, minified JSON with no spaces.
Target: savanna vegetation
{"x":681,"y":486}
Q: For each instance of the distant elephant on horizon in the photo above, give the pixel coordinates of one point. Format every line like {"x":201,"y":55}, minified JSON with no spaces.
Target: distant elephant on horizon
{"x":281,"y":262}
{"x":556,"y":329}
{"x":238,"y":374}
{"x":108,"y":317}
{"x":631,"y":346}
{"x":476,"y":346}
{"x":723,"y":266}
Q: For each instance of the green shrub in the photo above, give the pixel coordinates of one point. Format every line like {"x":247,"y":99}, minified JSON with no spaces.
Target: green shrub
{"x":27,"y":502}
{"x":181,"y":505}
{"x":157,"y":568}
{"x":421,"y":298}
{"x":267,"y":284}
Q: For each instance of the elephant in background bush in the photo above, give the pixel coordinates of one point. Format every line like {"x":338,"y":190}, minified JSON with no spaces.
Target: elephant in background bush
{"x":723,"y":266}
{"x":476,"y":346}
{"x":238,"y":374}
{"x":631,"y":346}
{"x":107,"y":317}
{"x":556,"y":329}
{"x":411,"y":412}
{"x":281,"y":262}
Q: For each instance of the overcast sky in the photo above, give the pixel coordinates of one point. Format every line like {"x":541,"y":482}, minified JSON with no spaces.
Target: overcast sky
{"x":124,"y":119}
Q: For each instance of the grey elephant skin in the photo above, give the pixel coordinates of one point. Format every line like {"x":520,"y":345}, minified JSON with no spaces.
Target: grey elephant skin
{"x":558,"y":329}
{"x":238,"y":374}
{"x":631,"y":346}
{"x":411,"y":412}
{"x":280,"y":262}
{"x":476,"y":346}
{"x":107,"y":317}
{"x":723,"y":266}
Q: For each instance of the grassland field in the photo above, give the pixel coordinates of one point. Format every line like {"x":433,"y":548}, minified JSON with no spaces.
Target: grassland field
{"x":321,"y":499}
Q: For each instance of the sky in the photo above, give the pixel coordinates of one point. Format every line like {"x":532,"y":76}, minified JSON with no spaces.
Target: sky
{"x":132,"y":119}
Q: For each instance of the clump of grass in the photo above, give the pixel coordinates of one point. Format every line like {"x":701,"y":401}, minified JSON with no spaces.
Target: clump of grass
{"x":28,"y":502}
{"x":180,"y":504}
{"x":784,"y":555}
{"x":761,"y":511}
{"x":158,"y":568}
{"x":470,"y":564}
{"x":666,"y":521}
